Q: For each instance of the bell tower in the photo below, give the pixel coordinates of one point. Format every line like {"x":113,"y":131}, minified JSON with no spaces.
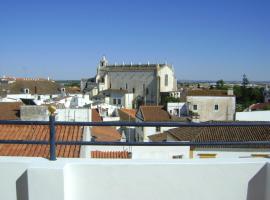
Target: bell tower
{"x":103,"y":62}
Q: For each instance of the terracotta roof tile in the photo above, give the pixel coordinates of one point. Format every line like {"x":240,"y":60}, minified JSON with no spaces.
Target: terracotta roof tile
{"x":217,"y":134}
{"x":110,"y":154}
{"x":35,"y":87}
{"x":10,"y":111}
{"x":207,"y":93}
{"x":260,"y":106}
{"x":95,"y":116}
{"x":127,"y":114}
{"x":105,"y":133}
{"x":38,"y":132}
{"x":154,"y":113}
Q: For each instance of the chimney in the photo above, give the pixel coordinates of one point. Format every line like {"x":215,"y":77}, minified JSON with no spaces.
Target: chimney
{"x":230,"y":92}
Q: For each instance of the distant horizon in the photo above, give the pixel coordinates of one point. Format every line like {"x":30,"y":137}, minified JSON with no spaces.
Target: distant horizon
{"x":204,"y":40}
{"x":178,"y":80}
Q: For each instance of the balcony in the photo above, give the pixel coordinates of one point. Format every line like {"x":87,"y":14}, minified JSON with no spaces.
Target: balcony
{"x":84,"y":178}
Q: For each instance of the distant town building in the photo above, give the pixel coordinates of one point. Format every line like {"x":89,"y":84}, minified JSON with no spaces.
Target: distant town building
{"x":266,"y":94}
{"x":208,"y":105}
{"x":151,"y":114}
{"x":145,"y":81}
{"x":177,"y":109}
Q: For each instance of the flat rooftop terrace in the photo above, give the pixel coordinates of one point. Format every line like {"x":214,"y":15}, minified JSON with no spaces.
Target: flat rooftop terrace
{"x":72,"y":179}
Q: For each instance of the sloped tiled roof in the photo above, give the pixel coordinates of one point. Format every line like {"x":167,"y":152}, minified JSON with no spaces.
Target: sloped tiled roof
{"x":35,"y":87}
{"x":154,"y":114}
{"x":259,"y":106}
{"x":205,"y":92}
{"x":217,"y":134}
{"x":110,"y":154}
{"x":39,"y":132}
{"x":73,"y":90}
{"x":103,"y":133}
{"x":10,"y":111}
{"x":127,"y":114}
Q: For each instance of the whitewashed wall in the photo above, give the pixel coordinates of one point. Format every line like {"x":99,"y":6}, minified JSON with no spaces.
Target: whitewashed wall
{"x":143,"y":152}
{"x":83,"y":179}
{"x":171,"y":79}
{"x":253,"y":116}
{"x":206,"y":105}
{"x":78,"y":115}
{"x":230,"y":152}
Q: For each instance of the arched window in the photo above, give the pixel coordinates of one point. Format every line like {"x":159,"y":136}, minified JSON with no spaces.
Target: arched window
{"x":166,"y":80}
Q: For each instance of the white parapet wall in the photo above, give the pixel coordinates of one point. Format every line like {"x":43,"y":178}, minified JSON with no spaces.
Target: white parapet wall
{"x":253,"y":116}
{"x":84,"y":179}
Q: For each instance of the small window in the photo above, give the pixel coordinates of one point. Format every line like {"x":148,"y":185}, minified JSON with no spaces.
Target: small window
{"x":120,"y":88}
{"x":260,"y":155}
{"x":114,"y":101}
{"x":158,"y":129}
{"x":207,"y":155}
{"x":126,"y":86}
{"x":166,"y":79}
{"x":216,"y":107}
{"x":38,"y":97}
{"x":26,"y":91}
{"x":147,"y":91}
{"x":119,"y":101}
{"x":133,"y":90}
{"x":110,"y":85}
{"x":195,"y":107}
{"x":177,"y":156}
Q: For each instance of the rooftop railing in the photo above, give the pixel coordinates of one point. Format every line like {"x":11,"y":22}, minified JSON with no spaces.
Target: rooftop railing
{"x":52,"y":139}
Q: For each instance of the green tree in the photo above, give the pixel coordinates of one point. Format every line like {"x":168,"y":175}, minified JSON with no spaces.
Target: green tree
{"x":220,"y":84}
{"x":245,"y":81}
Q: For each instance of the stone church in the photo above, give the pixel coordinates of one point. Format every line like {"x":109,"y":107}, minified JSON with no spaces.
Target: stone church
{"x":145,"y":81}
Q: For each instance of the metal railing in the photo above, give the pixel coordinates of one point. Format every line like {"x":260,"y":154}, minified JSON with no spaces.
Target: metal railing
{"x":52,"y":139}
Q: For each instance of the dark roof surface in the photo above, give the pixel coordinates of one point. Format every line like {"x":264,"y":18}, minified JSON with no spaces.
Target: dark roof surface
{"x":260,"y":106}
{"x":154,"y":114}
{"x":207,"y":92}
{"x":217,"y":134}
{"x":10,"y":111}
{"x":35,"y":87}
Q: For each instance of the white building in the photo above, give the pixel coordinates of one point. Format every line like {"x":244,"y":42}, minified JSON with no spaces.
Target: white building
{"x":145,"y":81}
{"x":177,"y":109}
{"x":208,"y":105}
{"x":151,"y":114}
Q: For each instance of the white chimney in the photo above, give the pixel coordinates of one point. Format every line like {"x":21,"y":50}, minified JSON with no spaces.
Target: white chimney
{"x":230,"y":92}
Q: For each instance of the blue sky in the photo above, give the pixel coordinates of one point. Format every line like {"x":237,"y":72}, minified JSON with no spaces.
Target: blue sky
{"x":203,"y":39}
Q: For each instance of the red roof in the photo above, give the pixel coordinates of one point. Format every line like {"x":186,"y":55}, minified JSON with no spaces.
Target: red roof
{"x":259,"y":106}
{"x":39,"y":132}
{"x":110,"y":154}
{"x":95,"y":116}
{"x":127,"y":114}
{"x":154,"y":113}
{"x":103,"y":133}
